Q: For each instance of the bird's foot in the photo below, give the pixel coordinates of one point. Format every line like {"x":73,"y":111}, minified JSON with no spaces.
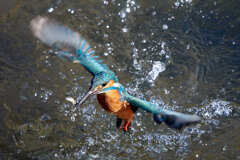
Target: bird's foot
{"x":118,"y":123}
{"x":126,"y":126}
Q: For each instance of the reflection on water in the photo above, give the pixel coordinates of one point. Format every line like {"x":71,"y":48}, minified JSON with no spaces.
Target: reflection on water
{"x":181,"y":54}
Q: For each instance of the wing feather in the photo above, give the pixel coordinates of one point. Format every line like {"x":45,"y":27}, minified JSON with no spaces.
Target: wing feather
{"x":171,"y":118}
{"x":70,"y":43}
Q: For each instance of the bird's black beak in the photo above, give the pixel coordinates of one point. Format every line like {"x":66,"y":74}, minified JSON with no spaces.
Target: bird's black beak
{"x":94,"y":91}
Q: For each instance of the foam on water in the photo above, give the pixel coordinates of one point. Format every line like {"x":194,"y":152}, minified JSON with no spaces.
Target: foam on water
{"x":216,"y":108}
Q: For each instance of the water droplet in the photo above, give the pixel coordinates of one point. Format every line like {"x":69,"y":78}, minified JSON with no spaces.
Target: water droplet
{"x":165,"y":26}
{"x":154,"y":13}
{"x":122,"y":14}
{"x":72,"y":100}
{"x":163,"y":45}
{"x":133,"y":2}
{"x":224,"y":148}
{"x":50,"y":10}
{"x":162,"y":52}
{"x":73,"y":118}
{"x":166,"y":91}
{"x":124,"y":30}
{"x":106,"y":2}
{"x":55,"y":155}
{"x":157,"y":68}
{"x":45,"y":117}
{"x":128,"y":10}
{"x":91,"y":141}
{"x":105,"y":35}
{"x":177,"y":4}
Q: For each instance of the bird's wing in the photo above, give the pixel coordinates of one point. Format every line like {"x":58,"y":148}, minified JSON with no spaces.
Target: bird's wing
{"x":172,"y":119}
{"x":70,"y":43}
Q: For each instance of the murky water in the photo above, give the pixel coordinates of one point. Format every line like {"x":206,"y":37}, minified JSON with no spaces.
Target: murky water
{"x":182,"y":54}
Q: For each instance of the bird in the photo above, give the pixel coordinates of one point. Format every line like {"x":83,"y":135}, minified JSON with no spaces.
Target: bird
{"x":111,"y":94}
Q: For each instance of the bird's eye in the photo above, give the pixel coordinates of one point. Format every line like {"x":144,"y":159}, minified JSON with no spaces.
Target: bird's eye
{"x":104,"y":84}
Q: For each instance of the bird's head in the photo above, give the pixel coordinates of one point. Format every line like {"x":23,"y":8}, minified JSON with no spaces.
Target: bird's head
{"x":101,"y":79}
{"x":100,"y":82}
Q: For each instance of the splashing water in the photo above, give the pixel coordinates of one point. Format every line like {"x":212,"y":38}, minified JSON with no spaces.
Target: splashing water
{"x":127,"y":9}
{"x":157,"y":68}
{"x":217,"y":108}
{"x":181,"y":3}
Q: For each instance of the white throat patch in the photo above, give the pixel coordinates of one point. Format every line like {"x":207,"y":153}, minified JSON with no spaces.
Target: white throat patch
{"x":116,"y":85}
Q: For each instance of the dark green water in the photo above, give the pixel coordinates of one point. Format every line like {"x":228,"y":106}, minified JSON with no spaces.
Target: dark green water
{"x":182,"y":54}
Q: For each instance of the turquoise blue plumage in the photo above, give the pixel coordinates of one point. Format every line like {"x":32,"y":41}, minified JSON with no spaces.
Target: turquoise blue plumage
{"x":72,"y":46}
{"x":171,"y":118}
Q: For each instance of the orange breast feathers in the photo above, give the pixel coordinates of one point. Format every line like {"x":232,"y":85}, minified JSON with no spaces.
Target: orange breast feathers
{"x":111,"y":102}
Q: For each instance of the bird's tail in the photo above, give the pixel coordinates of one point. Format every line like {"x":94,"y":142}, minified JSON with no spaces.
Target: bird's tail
{"x":59,"y":36}
{"x":175,"y":119}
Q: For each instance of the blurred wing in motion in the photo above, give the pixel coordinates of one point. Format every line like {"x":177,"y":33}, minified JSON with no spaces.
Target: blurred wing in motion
{"x":70,"y":43}
{"x":173,"y":119}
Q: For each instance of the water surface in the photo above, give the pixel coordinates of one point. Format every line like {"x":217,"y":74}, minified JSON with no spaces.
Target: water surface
{"x":181,"y":54}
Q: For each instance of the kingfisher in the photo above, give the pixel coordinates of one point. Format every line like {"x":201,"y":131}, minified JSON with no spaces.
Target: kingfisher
{"x":111,"y":94}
